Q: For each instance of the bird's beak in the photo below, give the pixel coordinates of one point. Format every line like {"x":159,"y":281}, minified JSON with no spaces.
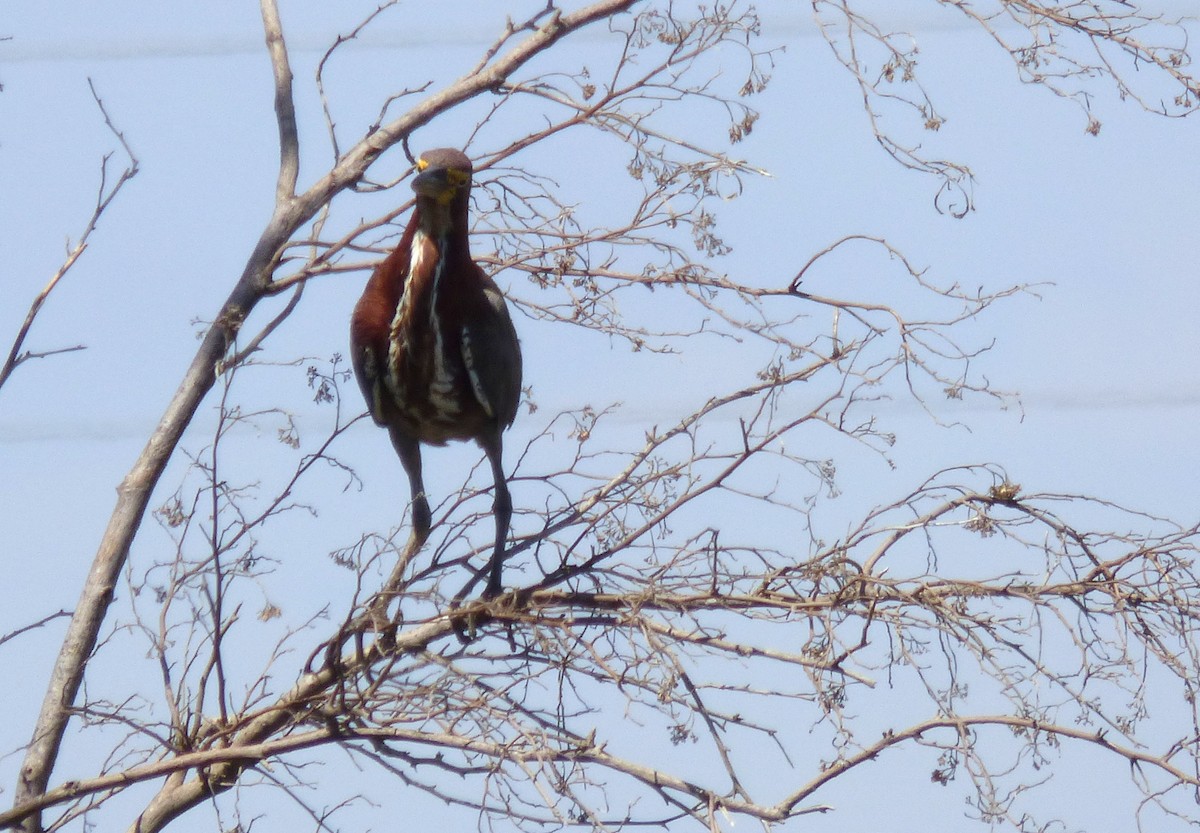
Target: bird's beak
{"x":434,"y":183}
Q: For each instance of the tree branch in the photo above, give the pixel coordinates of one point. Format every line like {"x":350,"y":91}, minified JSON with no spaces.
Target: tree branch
{"x":252,"y":286}
{"x":104,"y":198}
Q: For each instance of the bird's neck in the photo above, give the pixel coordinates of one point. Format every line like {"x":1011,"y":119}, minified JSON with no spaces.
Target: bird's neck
{"x":438,"y":249}
{"x":443,"y":223}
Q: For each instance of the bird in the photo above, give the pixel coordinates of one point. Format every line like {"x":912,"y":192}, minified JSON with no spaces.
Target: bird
{"x":433,"y":345}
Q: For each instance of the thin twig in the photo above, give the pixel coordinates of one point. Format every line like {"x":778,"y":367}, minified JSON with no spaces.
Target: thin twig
{"x":104,"y":197}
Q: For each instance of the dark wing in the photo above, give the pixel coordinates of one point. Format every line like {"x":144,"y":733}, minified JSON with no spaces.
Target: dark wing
{"x":492,"y":355}
{"x":368,"y":361}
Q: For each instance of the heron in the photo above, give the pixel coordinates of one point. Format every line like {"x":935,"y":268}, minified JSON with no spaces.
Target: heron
{"x":434,"y":347}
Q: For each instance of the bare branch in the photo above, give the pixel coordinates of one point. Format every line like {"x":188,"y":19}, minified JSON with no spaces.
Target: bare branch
{"x":251,"y":287}
{"x":105,"y":194}
{"x":33,"y":626}
{"x":285,"y":107}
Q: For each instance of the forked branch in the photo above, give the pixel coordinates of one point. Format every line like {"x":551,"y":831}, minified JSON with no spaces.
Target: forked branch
{"x":105,"y":194}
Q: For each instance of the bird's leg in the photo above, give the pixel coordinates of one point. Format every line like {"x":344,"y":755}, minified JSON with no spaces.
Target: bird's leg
{"x":409,"y":451}
{"x":502,"y":509}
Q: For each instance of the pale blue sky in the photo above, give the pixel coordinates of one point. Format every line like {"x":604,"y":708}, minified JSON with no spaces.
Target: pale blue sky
{"x":1105,"y":361}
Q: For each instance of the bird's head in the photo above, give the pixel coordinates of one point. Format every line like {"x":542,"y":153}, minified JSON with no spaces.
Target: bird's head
{"x":443,"y":175}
